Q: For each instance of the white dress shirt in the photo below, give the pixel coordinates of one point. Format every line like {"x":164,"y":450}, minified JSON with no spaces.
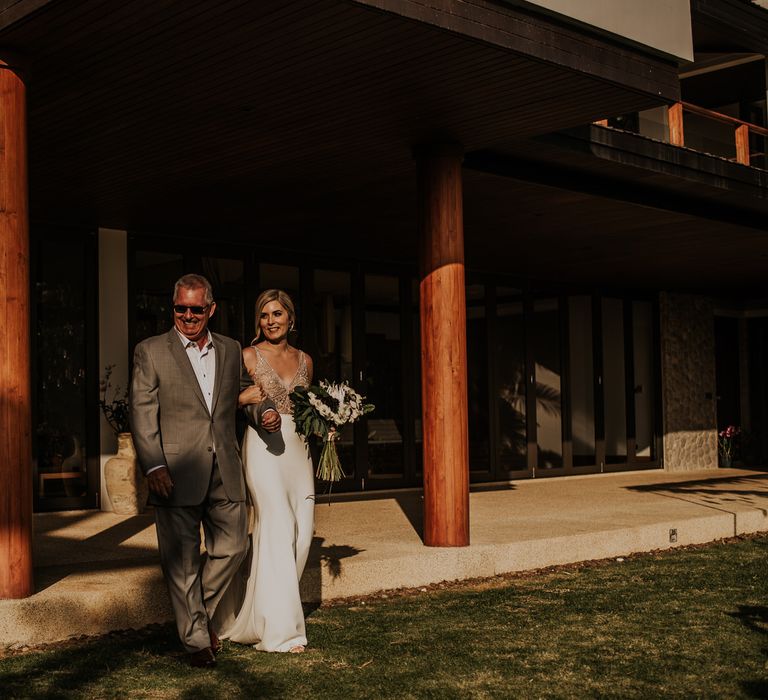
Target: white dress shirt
{"x":204,"y":365}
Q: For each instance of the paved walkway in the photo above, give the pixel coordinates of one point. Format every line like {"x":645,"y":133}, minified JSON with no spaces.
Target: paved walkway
{"x":97,"y":572}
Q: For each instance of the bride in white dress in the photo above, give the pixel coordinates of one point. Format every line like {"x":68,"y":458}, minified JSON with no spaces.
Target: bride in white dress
{"x":281,"y":487}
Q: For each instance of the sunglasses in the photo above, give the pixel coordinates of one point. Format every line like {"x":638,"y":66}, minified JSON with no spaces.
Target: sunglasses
{"x":196,"y":310}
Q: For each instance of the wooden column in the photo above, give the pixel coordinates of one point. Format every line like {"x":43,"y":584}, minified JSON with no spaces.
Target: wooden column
{"x":15,"y":389}
{"x":443,"y":347}
{"x":742,"y":144}
{"x":676,"y":134}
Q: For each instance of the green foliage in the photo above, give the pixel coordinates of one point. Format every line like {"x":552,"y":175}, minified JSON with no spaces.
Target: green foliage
{"x":117,"y":408}
{"x":308,"y":422}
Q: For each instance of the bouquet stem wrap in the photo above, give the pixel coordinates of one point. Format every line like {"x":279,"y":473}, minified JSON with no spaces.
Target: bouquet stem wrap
{"x":329,"y":466}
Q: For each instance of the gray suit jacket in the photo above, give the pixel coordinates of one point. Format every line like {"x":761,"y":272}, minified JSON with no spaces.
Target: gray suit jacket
{"x":170,"y":421}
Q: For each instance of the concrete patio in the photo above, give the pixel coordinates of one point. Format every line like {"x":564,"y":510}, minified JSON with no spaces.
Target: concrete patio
{"x":96,"y":572}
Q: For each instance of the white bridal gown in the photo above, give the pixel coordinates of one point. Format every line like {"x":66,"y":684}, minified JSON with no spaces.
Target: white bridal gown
{"x":282,"y":490}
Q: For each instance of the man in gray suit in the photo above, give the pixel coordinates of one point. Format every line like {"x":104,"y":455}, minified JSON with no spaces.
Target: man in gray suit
{"x":183,"y":404}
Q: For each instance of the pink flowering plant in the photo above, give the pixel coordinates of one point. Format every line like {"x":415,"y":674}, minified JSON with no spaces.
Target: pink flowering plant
{"x":322,"y":410}
{"x":726,"y":442}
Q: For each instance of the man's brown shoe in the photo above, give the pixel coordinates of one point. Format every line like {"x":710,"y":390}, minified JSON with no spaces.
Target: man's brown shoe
{"x":202,"y":658}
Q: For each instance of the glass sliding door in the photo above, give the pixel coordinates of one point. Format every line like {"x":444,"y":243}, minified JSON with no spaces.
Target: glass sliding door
{"x":557,"y":383}
{"x":65,"y":440}
{"x":333,"y":325}
{"x":415,"y":391}
{"x":581,"y":380}
{"x":545,"y":348}
{"x":644,"y":381}
{"x":227,"y":277}
{"x":559,"y":372}
{"x":384,"y":376}
{"x":285,"y":277}
{"x":614,"y":381}
{"x":361,"y":327}
{"x":477,"y":380}
{"x":154,"y":274}
{"x":511,"y":390}
{"x":332,"y":354}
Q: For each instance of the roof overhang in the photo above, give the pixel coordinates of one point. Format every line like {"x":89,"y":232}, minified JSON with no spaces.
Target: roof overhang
{"x":144,"y":115}
{"x":291,"y":124}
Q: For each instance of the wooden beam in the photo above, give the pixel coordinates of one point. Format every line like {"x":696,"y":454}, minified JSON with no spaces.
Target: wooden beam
{"x":676,"y":135}
{"x":15,"y":389}
{"x":443,"y":347}
{"x":742,"y":144}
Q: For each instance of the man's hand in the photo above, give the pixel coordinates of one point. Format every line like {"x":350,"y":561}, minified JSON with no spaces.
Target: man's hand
{"x":160,"y":482}
{"x":270,"y":420}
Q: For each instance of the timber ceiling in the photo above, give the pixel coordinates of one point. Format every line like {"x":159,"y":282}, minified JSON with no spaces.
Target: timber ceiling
{"x":136,"y":109}
{"x":291,"y":124}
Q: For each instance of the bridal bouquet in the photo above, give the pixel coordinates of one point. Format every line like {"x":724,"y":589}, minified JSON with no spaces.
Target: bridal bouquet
{"x":322,"y":410}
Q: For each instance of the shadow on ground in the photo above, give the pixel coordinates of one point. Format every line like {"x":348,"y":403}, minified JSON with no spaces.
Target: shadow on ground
{"x":104,"y":550}
{"x":718,"y":493}
{"x":754,"y":618}
{"x":149,"y":654}
{"x":329,"y":556}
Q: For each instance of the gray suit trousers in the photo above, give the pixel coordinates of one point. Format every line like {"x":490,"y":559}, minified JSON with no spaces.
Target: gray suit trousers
{"x":196,"y":583}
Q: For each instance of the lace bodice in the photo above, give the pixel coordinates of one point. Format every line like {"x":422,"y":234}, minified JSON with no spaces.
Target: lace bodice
{"x":274,"y":386}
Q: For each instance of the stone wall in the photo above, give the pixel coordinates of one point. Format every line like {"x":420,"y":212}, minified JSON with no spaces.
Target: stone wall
{"x":688,"y":382}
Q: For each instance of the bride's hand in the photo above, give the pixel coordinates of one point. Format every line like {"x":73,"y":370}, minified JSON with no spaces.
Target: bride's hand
{"x":253,"y":394}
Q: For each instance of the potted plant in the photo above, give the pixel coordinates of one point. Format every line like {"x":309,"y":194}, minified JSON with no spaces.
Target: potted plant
{"x":126,"y":486}
{"x":116,"y":409}
{"x":726,"y":444}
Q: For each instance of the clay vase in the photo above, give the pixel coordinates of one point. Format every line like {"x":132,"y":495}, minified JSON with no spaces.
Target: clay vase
{"x":126,"y":485}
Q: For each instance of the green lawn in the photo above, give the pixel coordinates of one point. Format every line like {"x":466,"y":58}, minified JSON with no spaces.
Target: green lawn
{"x":687,"y":623}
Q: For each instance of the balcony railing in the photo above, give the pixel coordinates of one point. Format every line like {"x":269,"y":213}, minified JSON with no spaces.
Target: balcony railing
{"x":708,"y":131}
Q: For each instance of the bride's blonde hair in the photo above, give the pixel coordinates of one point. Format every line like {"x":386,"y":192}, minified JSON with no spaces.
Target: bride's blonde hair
{"x":283,"y":299}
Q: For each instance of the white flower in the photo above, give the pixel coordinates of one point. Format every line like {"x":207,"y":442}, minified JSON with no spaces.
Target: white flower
{"x":349,"y":403}
{"x":323,"y":409}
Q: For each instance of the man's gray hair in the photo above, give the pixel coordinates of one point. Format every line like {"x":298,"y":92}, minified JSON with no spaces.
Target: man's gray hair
{"x":193,"y":281}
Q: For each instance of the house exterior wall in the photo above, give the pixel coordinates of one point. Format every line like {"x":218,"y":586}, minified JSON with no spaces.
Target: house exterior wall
{"x":663,"y":25}
{"x":688,"y":382}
